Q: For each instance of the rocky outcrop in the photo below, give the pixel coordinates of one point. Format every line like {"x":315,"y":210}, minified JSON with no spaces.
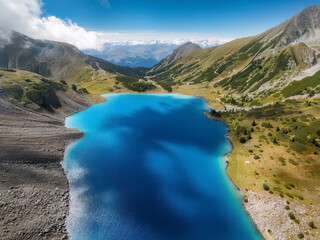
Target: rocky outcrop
{"x":302,"y":27}
{"x":271,"y":218}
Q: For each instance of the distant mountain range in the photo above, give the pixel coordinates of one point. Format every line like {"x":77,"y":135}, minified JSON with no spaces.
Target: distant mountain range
{"x":266,"y":88}
{"x":141,"y":55}
{"x":252,"y":67}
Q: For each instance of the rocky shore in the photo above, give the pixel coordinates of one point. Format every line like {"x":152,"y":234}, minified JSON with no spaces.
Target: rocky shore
{"x":34,"y":191}
{"x":270,"y":216}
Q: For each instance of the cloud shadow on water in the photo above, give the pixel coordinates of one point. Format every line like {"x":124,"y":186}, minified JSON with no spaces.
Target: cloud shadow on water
{"x":124,"y":169}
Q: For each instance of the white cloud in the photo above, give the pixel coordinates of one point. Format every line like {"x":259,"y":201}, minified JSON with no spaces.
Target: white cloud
{"x":26,"y":16}
{"x":150,"y":37}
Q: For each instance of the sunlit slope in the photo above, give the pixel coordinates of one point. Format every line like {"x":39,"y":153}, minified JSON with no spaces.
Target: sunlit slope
{"x":56,"y":60}
{"x":39,"y":93}
{"x":251,"y":66}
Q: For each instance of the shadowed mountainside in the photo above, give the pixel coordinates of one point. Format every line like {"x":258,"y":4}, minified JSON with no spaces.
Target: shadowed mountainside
{"x":57,"y":60}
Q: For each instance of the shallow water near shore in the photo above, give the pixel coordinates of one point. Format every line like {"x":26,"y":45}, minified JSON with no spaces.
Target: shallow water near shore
{"x":151,"y":166}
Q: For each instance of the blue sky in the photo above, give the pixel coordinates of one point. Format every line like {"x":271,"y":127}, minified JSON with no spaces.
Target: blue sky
{"x":225,"y":18}
{"x":90,"y":24}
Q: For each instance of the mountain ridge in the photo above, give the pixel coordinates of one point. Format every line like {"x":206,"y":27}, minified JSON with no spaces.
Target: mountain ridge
{"x":251,"y":65}
{"x":139,"y":55}
{"x":53,"y":59}
{"x":177,"y":53}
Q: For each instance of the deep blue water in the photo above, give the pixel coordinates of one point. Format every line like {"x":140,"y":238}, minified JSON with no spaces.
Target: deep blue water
{"x":151,"y":167}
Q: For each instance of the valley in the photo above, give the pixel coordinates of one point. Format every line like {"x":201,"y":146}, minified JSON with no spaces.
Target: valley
{"x":265,"y":88}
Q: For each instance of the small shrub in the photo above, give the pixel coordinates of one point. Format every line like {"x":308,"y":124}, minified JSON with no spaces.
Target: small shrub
{"x":300,"y":235}
{"x":311,"y":224}
{"x":293,"y":162}
{"x":256,"y":157}
{"x":287,"y":207}
{"x":74,"y":87}
{"x":291,"y":216}
{"x":274,"y":140}
{"x":267,"y":125}
{"x":245,"y":200}
{"x":243,"y":140}
{"x":300,"y":197}
{"x":291,"y":185}
{"x":265,"y":186}
{"x":282,"y":160}
{"x":289,"y":195}
{"x":214,"y":113}
{"x":83,"y":91}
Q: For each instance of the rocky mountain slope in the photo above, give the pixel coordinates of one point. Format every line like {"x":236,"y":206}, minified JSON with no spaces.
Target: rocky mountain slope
{"x":33,"y":188}
{"x":303,"y":27}
{"x":178,"y":53}
{"x":35,"y":92}
{"x":140,"y":55}
{"x":56,"y":60}
{"x":253,"y":67}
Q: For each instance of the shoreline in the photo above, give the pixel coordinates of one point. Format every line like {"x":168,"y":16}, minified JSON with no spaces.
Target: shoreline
{"x":34,"y":190}
{"x":228,"y":137}
{"x":267,"y":211}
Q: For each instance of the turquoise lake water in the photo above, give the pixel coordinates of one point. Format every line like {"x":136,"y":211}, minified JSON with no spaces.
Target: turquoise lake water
{"x":151,"y":167}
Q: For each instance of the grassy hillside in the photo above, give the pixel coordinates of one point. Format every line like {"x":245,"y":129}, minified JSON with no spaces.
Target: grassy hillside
{"x":282,"y":144}
{"x":39,"y":93}
{"x":276,"y":152}
{"x":254,"y":67}
{"x":61,"y":61}
{"x":309,"y":85}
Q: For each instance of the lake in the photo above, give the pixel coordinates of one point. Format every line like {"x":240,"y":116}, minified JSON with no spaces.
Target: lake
{"x":152,"y":167}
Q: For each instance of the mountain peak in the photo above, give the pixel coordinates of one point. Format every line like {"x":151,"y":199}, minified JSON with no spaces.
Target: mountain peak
{"x":178,"y":53}
{"x":311,"y":8}
{"x":187,"y":45}
{"x":302,"y":27}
